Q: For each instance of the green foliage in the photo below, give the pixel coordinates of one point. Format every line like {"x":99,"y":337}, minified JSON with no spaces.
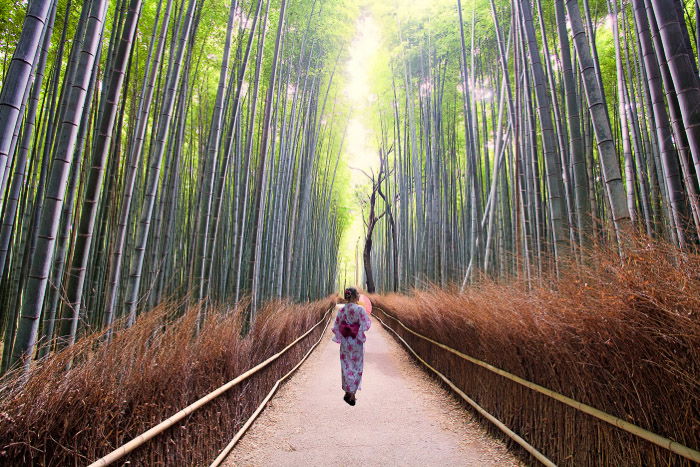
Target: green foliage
{"x":11,"y":18}
{"x":606,"y":58}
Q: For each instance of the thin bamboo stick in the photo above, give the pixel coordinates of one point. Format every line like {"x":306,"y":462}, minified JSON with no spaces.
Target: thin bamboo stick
{"x":220,"y":458}
{"x":659,"y":440}
{"x":511,"y":434}
{"x":169,"y":422}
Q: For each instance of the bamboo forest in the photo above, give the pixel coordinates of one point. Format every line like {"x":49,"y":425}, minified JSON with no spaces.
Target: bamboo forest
{"x":192,"y":193}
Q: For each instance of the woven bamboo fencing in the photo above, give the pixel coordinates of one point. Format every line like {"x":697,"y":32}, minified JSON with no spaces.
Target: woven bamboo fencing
{"x":432,"y":354}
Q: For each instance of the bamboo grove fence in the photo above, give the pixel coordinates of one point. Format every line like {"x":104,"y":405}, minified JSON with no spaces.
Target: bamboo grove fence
{"x":556,"y":427}
{"x":192,"y":436}
{"x":170,"y":422}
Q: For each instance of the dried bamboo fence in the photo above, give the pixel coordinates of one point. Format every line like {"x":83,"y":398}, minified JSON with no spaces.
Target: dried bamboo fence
{"x":140,"y":440}
{"x":679,"y":453}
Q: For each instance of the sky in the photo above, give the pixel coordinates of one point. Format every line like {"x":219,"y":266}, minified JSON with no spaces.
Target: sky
{"x":360,"y":150}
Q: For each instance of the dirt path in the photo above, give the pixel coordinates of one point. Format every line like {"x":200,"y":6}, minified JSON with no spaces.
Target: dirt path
{"x":401,"y":418}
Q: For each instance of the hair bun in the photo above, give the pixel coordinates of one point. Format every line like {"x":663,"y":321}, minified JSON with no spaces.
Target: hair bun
{"x":351,"y":293}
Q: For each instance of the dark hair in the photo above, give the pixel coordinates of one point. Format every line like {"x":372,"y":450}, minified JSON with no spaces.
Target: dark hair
{"x":351,"y":294}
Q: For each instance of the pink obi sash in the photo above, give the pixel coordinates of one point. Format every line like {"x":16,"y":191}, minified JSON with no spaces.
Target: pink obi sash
{"x":349,"y":330}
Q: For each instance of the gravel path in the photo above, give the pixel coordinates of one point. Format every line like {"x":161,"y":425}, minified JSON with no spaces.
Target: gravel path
{"x":402,"y":417}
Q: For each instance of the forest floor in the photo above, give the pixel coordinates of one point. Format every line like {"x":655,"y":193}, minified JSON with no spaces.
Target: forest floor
{"x":402,"y":417}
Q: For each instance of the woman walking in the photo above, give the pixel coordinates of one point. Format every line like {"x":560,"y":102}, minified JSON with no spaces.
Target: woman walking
{"x":349,"y":331}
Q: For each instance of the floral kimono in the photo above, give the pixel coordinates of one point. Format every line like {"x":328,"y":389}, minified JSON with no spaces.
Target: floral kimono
{"x":352,"y":351}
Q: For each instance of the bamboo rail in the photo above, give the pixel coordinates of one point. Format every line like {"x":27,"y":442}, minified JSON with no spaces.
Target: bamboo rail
{"x":262,"y":405}
{"x":174,"y":419}
{"x":510,"y":433}
{"x":654,"y":438}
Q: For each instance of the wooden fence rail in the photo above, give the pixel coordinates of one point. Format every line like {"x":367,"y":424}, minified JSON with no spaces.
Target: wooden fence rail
{"x":171,"y":421}
{"x":654,"y":438}
{"x":220,"y":458}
